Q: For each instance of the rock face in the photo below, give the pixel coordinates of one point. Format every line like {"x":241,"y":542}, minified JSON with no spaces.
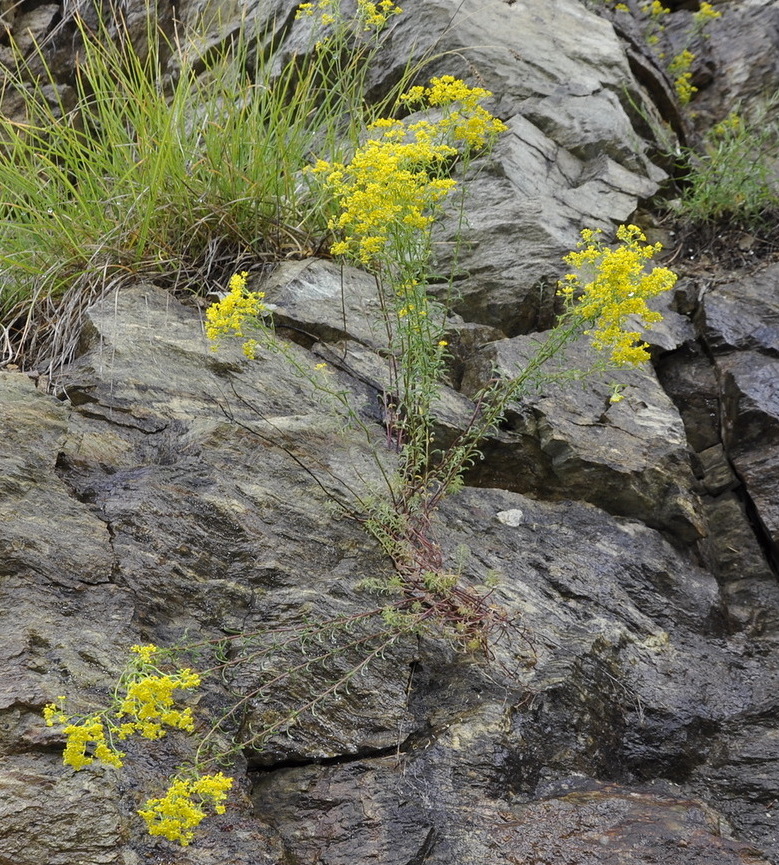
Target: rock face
{"x":165,"y":491}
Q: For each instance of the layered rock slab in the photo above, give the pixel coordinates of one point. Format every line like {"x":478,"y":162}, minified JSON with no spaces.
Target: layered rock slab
{"x":211,"y":525}
{"x":623,"y":660}
{"x":567,"y":440}
{"x":737,"y":321}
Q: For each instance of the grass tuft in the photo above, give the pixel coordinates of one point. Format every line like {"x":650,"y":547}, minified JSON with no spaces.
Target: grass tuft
{"x":179,"y":179}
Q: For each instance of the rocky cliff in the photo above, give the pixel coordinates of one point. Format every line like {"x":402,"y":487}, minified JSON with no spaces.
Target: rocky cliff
{"x":157,"y":490}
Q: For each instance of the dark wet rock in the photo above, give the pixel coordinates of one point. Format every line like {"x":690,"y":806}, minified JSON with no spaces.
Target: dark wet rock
{"x":750,"y":384}
{"x":718,"y":475}
{"x":737,"y":61}
{"x":690,"y":379}
{"x":733,"y":553}
{"x":585,"y":822}
{"x":86,"y":823}
{"x":569,"y":441}
{"x":484,"y":778}
{"x":743,"y":314}
{"x":207,"y":527}
{"x":616,"y":666}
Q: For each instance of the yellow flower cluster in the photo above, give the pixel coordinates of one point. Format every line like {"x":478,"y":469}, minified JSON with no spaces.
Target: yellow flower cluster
{"x":145,"y":653}
{"x":616,"y":286}
{"x":176,"y":814}
{"x":464,"y":119}
{"x":706,"y":12}
{"x":370,"y":16}
{"x":679,"y":68}
{"x":149,"y":700}
{"x":90,"y":732}
{"x":80,"y":737}
{"x":54,"y":713}
{"x":657,"y":10}
{"x":392,"y":188}
{"x":324,"y":7}
{"x":229,"y":315}
{"x":731,"y":126}
{"x":385,"y":191}
{"x":374,"y":16}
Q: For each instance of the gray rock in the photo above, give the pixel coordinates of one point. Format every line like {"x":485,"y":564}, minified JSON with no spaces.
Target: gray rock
{"x":750,"y":384}
{"x":743,"y":314}
{"x":212,"y":525}
{"x":733,"y":554}
{"x":690,"y":379}
{"x":571,"y":160}
{"x":736,"y":62}
{"x":321,"y":300}
{"x":569,"y":441}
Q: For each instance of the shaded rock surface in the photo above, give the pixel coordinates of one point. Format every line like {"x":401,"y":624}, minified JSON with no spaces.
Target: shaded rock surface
{"x":629,"y":712}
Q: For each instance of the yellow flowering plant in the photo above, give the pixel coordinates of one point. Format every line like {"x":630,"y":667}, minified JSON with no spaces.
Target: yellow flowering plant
{"x":383,"y":196}
{"x":610,"y":285}
{"x":372,"y":17}
{"x":144,"y":702}
{"x":679,"y":67}
{"x":389,"y":196}
{"x":237,"y":309}
{"x":730,"y":177}
{"x":653,"y":13}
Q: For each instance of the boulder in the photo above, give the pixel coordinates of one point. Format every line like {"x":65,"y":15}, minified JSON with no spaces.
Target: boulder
{"x":569,"y":441}
{"x":751,"y":403}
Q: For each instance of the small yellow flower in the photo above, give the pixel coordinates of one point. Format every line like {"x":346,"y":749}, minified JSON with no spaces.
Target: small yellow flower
{"x":81,"y":737}
{"x":681,"y":62}
{"x":374,"y":16}
{"x":732,"y":125}
{"x":54,"y":713}
{"x":391,"y":191}
{"x":145,"y":653}
{"x":616,"y":393}
{"x":149,"y":701}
